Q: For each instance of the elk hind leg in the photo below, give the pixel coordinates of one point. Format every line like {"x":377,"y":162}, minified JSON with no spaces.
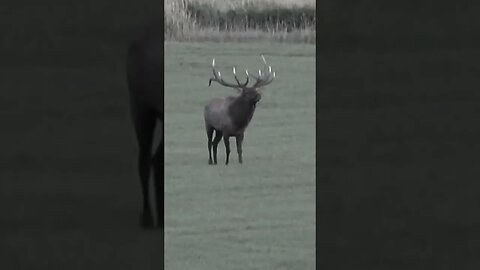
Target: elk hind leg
{"x":218,"y":137}
{"x":209,"y":130}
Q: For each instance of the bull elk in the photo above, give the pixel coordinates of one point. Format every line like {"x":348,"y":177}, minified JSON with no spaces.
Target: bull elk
{"x":145,"y":84}
{"x":230,"y":116}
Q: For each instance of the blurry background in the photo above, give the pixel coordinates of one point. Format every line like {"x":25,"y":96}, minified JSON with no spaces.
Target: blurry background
{"x":69,"y":192}
{"x":240,"y":20}
{"x":398,"y":147}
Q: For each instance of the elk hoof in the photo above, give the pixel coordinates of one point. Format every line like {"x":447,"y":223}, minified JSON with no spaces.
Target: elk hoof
{"x":210,"y":162}
{"x":146,"y":220}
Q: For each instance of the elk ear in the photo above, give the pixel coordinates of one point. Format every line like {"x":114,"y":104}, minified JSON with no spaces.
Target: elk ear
{"x":260,"y":90}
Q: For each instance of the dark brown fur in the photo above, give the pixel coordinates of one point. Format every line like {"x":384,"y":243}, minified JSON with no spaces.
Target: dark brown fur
{"x":230,"y":116}
{"x":145,"y":84}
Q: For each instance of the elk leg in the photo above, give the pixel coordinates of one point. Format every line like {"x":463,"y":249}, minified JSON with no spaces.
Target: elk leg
{"x":144,"y":123}
{"x":227,"y":147}
{"x":239,"y":139}
{"x":209,"y":137}
{"x":218,"y":137}
{"x":159,"y":182}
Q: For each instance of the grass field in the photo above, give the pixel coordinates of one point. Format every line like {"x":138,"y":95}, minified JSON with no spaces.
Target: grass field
{"x":258,"y":215}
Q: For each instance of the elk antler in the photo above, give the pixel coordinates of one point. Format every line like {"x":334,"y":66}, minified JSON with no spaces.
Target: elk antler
{"x":266,"y":77}
{"x":217,"y":77}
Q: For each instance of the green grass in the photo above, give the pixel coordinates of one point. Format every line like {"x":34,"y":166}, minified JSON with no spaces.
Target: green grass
{"x":258,"y":215}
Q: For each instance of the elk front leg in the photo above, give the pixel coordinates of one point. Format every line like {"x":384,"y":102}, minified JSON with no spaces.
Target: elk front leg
{"x":239,"y":139}
{"x":227,"y":147}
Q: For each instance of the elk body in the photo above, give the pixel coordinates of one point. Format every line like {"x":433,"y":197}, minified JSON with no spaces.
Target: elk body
{"x":230,"y":116}
{"x":145,"y":84}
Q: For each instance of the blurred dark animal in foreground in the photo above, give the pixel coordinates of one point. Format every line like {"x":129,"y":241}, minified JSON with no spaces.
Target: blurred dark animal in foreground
{"x":145,"y":84}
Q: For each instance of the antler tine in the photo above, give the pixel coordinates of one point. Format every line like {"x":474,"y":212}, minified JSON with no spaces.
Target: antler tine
{"x":217,"y":77}
{"x":265,"y":64}
{"x":235,"y":75}
{"x":241,"y":85}
{"x":248,"y":78}
{"x":266,"y":77}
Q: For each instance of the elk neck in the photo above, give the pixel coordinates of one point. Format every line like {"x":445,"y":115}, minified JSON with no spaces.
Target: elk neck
{"x":241,"y":112}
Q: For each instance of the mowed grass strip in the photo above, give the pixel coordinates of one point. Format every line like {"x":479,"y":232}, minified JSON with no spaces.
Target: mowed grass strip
{"x":263,"y":211}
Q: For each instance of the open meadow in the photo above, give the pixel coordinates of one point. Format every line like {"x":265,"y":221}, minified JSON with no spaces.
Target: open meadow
{"x":258,"y":215}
